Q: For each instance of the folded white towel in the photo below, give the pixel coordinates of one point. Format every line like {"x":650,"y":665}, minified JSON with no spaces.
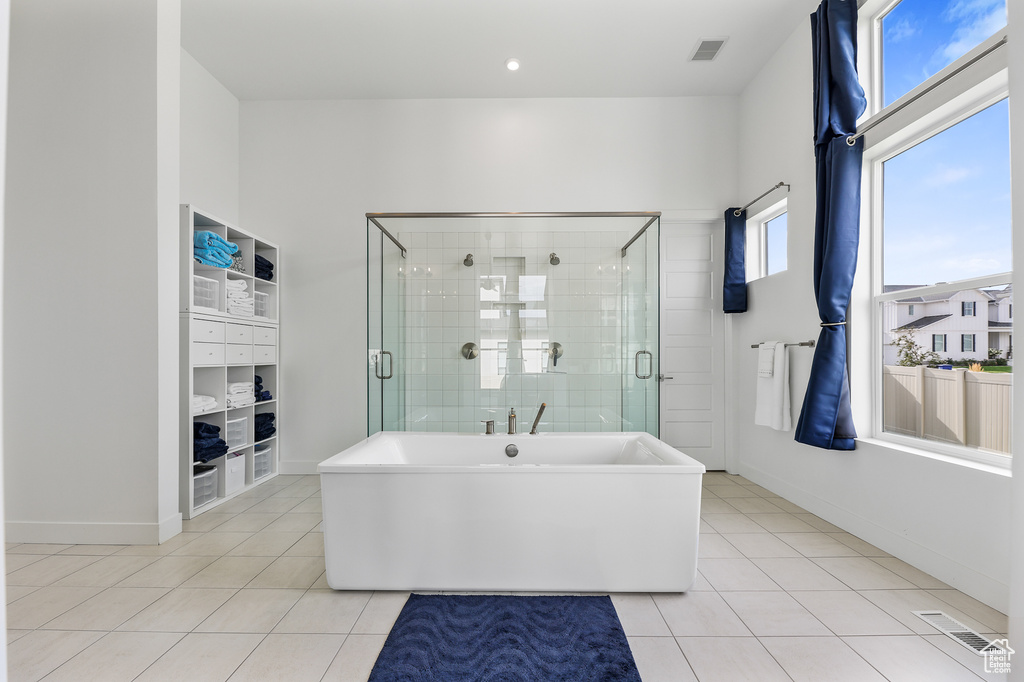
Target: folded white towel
{"x":203,"y":403}
{"x":772,"y":400}
{"x":238,"y":295}
{"x":765,"y":358}
{"x":236,"y":285}
{"x":240,"y":401}
{"x":240,"y":312}
{"x":241,"y":387}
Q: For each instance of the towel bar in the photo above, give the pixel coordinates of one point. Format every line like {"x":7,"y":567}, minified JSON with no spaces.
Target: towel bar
{"x":809,"y":344}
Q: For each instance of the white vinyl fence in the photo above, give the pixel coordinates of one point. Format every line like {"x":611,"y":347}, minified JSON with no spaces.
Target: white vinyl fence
{"x":953,"y":406}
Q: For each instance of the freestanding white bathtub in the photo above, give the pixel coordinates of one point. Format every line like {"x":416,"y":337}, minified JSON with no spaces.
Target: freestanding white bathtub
{"x":572,"y":512}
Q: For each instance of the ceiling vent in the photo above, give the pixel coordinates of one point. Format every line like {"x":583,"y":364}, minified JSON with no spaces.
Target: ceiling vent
{"x":707,"y":49}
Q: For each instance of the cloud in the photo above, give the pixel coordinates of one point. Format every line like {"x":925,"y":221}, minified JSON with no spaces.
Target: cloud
{"x":948,"y":175}
{"x":976,"y":19}
{"x":900,"y":30}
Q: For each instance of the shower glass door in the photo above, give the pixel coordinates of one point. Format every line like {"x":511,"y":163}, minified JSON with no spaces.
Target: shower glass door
{"x":640,"y":333}
{"x":385,"y":333}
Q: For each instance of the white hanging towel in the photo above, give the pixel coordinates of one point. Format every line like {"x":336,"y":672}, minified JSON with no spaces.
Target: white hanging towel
{"x":772,"y":407}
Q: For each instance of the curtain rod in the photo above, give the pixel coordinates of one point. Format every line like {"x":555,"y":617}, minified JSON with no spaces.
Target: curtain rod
{"x":852,"y":139}
{"x":744,"y":208}
{"x":809,"y":344}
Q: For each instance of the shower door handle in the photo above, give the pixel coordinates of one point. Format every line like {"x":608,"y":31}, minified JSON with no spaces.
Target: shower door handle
{"x":391,"y":365}
{"x":636,"y":368}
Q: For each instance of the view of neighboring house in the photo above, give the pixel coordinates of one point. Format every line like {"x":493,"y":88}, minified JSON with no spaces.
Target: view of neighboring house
{"x":962,"y":325}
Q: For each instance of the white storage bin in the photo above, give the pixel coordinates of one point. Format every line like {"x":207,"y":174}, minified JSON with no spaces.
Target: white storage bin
{"x":204,"y":485}
{"x":236,"y":432}
{"x":234,"y":473}
{"x":260,"y":303}
{"x":261,"y":464}
{"x":205,"y":292}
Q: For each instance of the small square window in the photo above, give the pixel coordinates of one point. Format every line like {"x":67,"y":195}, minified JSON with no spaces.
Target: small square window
{"x":939,"y":343}
{"x":967,"y":308}
{"x":910,"y":309}
{"x":766,"y":242}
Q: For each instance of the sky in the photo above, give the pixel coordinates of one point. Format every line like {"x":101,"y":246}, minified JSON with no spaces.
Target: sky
{"x":947,"y":200}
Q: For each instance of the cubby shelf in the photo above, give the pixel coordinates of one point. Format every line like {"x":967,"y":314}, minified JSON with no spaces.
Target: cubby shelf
{"x":219,"y":348}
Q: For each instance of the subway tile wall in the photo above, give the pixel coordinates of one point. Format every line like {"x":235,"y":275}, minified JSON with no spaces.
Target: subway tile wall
{"x":513,"y":304}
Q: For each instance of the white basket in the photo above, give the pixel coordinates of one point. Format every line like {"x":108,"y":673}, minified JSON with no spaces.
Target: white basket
{"x":260,"y":303}
{"x":261,"y":464}
{"x":234,"y":473}
{"x":205,"y":292}
{"x":204,"y":486}
{"x":236,"y":432}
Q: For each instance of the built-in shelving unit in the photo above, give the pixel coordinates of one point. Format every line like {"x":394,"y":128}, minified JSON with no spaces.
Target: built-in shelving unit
{"x":218,"y":348}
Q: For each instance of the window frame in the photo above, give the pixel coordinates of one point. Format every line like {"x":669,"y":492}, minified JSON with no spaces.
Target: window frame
{"x":894,"y":131}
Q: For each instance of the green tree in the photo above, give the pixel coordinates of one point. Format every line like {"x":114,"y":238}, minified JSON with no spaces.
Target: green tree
{"x":909,"y":354}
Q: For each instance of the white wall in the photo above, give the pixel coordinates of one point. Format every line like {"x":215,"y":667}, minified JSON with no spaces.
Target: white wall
{"x":311,"y":170}
{"x":90,"y":265}
{"x":909,"y":505}
{"x":209,"y":142}
{"x":5,"y":14}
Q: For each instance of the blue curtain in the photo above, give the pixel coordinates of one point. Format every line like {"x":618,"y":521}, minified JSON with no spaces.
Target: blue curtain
{"x":825,"y":419}
{"x":734,"y":295}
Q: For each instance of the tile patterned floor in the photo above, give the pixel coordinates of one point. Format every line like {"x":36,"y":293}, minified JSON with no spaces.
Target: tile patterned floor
{"x":241,"y":595}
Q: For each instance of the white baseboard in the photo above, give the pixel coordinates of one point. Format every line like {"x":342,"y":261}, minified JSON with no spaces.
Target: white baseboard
{"x":63,"y":533}
{"x":982,"y":587}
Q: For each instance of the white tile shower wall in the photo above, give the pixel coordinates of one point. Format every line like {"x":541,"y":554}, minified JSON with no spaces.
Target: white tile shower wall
{"x":513,"y":304}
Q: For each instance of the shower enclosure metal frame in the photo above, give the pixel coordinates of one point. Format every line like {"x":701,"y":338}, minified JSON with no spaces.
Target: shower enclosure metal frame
{"x":390,"y":277}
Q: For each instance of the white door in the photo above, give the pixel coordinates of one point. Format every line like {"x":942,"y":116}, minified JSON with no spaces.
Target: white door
{"x":692,"y":341}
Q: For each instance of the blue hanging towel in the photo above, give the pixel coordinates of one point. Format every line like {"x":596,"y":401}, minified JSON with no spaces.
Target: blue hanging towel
{"x":734,"y":289}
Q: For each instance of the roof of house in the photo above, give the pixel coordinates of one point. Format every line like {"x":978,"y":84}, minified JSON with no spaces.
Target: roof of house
{"x":1000,"y":325}
{"x":923,"y":322}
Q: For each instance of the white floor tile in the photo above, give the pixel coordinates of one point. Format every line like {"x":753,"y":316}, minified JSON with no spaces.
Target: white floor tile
{"x":774,"y":614}
{"x":639,"y":616}
{"x":816,"y":659}
{"x":861,"y":573}
{"x":117,"y":656}
{"x":731,"y":659}
{"x":295,"y":658}
{"x":727,"y":575}
{"x":909,"y":659}
{"x":798,"y":573}
{"x":204,"y":657}
{"x":108,"y":609}
{"x":659,"y":659}
{"x":355,"y":660}
{"x":380,"y":613}
{"x":324,"y":611}
{"x":848,"y":613}
{"x":40,"y":652}
{"x":700,"y":614}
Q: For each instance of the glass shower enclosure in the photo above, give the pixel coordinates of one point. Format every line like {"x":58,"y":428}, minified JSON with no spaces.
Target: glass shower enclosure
{"x":471,"y":315}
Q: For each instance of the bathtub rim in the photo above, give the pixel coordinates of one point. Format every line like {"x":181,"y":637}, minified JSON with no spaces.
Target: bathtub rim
{"x":675,"y":461}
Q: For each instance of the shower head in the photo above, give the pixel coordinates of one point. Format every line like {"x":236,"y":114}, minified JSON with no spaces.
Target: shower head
{"x":555,"y":260}
{"x":468,"y":260}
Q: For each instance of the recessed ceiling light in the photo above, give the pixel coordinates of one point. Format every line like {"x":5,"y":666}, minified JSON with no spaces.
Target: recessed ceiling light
{"x":512,"y":64}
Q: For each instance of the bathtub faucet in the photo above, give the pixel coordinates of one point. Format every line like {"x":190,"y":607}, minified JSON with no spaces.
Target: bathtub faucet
{"x":512,"y":422}
{"x":533,"y":431}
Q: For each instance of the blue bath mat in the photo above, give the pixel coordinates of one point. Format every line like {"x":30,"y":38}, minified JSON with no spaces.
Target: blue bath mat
{"x":448,"y":638}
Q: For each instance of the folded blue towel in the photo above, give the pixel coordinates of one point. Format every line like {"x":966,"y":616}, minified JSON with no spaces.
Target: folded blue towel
{"x":213,"y":257}
{"x":204,"y":239}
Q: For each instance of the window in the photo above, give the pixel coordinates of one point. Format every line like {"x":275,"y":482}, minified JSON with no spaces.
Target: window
{"x":937,"y":199}
{"x":767,"y":242}
{"x":775,"y":244}
{"x":919,"y":38}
